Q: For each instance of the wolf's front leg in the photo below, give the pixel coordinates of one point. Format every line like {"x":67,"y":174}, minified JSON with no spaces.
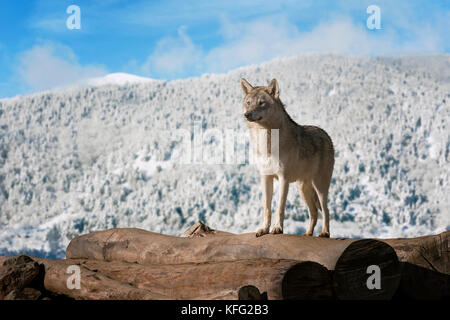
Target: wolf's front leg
{"x":267,"y":190}
{"x":284,"y":188}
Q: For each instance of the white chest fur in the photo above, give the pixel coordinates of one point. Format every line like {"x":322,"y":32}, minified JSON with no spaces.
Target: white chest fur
{"x":265,"y":150}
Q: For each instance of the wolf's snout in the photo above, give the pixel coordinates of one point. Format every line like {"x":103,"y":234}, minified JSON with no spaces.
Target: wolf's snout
{"x":248,"y":115}
{"x":251,"y":117}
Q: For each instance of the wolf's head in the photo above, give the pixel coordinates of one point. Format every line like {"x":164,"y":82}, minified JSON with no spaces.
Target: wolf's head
{"x":261,"y":104}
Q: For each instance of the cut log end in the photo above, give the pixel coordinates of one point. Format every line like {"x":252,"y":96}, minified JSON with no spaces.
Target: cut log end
{"x":367,"y":270}
{"x":307,"y":281}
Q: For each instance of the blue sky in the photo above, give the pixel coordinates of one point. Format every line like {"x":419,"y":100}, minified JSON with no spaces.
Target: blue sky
{"x":176,"y":39}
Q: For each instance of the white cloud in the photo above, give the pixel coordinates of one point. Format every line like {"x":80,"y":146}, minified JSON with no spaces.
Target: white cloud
{"x":174,"y":56}
{"x":50,"y":24}
{"x":51,"y":65}
{"x":275,"y":36}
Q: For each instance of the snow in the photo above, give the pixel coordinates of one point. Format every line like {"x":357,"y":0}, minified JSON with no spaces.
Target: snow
{"x":118,"y":78}
{"x":107,"y":155}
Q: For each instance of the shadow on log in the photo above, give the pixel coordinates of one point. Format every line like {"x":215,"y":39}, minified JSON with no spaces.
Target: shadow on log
{"x":419,"y":283}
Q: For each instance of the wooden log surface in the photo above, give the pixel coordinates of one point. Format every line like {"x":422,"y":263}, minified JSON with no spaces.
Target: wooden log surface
{"x":145,"y":247}
{"x":219,"y":280}
{"x":93,"y":285}
{"x":429,"y":252}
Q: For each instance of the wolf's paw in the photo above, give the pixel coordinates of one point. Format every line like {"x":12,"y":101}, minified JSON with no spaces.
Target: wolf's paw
{"x":262,"y":232}
{"x":309,"y":234}
{"x":277,"y":230}
{"x":324,"y":234}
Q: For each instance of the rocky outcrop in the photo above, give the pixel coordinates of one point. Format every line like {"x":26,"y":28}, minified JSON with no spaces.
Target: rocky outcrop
{"x":16,"y":275}
{"x":21,"y":278}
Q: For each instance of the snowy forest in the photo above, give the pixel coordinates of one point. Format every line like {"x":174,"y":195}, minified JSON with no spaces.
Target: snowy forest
{"x":107,"y":155}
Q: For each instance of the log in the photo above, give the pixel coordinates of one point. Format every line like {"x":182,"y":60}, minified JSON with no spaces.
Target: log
{"x":429,"y":252}
{"x":93,"y":285}
{"x":367,"y":270}
{"x":218,"y":280}
{"x":145,"y":247}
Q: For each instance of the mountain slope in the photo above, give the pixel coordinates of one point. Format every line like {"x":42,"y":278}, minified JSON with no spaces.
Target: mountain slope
{"x":105,"y":156}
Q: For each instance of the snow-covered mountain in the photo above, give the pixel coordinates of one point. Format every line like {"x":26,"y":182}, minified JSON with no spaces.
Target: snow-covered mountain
{"x":118,"y":78}
{"x":105,"y":156}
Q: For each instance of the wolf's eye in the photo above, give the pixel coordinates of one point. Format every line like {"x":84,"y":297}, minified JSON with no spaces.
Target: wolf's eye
{"x":248,"y":102}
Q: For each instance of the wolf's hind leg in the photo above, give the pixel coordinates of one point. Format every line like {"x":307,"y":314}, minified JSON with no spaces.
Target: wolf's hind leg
{"x":321,"y":189}
{"x":309,"y":196}
{"x":267,"y":190}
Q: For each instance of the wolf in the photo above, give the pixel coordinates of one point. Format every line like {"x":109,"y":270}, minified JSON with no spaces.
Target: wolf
{"x":305,"y":155}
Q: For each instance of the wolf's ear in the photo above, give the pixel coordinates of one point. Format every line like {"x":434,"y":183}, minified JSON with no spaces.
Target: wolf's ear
{"x":246,"y":87}
{"x":273,"y":88}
